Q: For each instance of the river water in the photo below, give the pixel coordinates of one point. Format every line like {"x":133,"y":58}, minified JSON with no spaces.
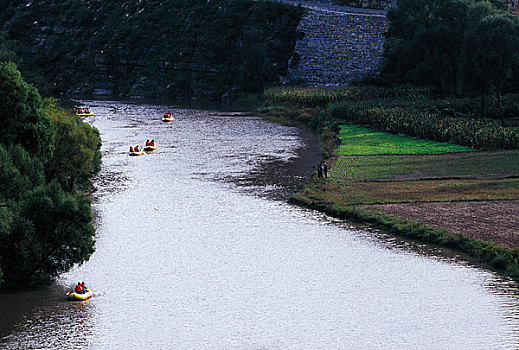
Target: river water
{"x":196,"y":249}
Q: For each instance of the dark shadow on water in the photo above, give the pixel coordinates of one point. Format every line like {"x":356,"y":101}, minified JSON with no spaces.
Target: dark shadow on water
{"x":277,"y":179}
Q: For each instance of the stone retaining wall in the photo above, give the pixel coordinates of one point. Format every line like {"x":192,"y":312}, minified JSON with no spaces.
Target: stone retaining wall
{"x":337,"y":47}
{"x":372,"y":4}
{"x":511,"y":5}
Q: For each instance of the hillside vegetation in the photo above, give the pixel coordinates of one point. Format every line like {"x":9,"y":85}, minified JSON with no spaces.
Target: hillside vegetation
{"x":173,"y":48}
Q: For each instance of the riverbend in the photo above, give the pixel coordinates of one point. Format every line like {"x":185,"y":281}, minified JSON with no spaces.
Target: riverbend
{"x":198,"y":249}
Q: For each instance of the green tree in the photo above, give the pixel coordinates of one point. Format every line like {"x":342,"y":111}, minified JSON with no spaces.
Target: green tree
{"x":448,"y":37}
{"x":52,"y":232}
{"x":77,"y":156}
{"x":6,"y":221}
{"x":254,"y":69}
{"x":426,"y":41}
{"x":404,"y":50}
{"x":22,"y":119}
{"x":44,"y":230}
{"x":491,"y":53}
{"x":6,"y":52}
{"x":20,"y":172}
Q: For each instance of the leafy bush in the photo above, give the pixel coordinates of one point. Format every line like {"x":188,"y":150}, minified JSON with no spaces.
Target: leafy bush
{"x":21,"y":113}
{"x":77,"y":155}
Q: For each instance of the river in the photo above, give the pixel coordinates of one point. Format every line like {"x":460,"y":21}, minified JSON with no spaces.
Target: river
{"x":196,"y":248}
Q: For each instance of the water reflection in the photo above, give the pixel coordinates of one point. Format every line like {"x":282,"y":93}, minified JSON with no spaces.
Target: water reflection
{"x":44,"y":319}
{"x":195,"y":251}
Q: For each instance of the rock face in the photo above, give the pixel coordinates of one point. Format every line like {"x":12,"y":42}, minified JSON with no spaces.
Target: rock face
{"x":338,"y":47}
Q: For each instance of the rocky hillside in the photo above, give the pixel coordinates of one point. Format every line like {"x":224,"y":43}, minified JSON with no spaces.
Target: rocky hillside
{"x":171,"y":48}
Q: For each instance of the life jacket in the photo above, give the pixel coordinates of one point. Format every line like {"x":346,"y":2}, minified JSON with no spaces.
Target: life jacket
{"x":83,"y":287}
{"x":147,"y":143}
{"x":87,"y":110}
{"x":80,"y":111}
{"x":131,"y":149}
{"x":152,"y":143}
{"x":78,"y":289}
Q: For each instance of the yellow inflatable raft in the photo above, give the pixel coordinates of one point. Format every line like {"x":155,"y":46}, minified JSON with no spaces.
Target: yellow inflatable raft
{"x":150,"y":148}
{"x":80,"y":296}
{"x":167,"y":120}
{"x":85,"y":114}
{"x":140,"y":153}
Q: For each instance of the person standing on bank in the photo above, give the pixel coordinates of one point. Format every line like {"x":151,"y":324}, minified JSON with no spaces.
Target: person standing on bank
{"x":320,"y":171}
{"x":325,"y":170}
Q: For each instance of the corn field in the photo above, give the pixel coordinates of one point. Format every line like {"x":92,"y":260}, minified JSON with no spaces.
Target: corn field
{"x":475,"y":133}
{"x":320,"y":97}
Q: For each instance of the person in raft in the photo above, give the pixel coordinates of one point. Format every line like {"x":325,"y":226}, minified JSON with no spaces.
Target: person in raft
{"x":136,"y":148}
{"x":87,"y":110}
{"x":83,"y":287}
{"x":78,"y":288}
{"x":152,"y":143}
{"x":148,"y":142}
{"x":80,"y":111}
{"x":131,"y":149}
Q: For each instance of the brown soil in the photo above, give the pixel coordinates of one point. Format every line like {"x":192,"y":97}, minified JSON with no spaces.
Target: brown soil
{"x":496,"y":221}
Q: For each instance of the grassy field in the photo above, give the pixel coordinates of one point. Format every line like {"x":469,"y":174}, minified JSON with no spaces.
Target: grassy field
{"x":356,"y":140}
{"x":477,"y":165}
{"x":385,"y":168}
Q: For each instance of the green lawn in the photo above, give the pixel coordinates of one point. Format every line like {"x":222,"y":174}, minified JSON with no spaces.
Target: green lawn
{"x":356,"y":140}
